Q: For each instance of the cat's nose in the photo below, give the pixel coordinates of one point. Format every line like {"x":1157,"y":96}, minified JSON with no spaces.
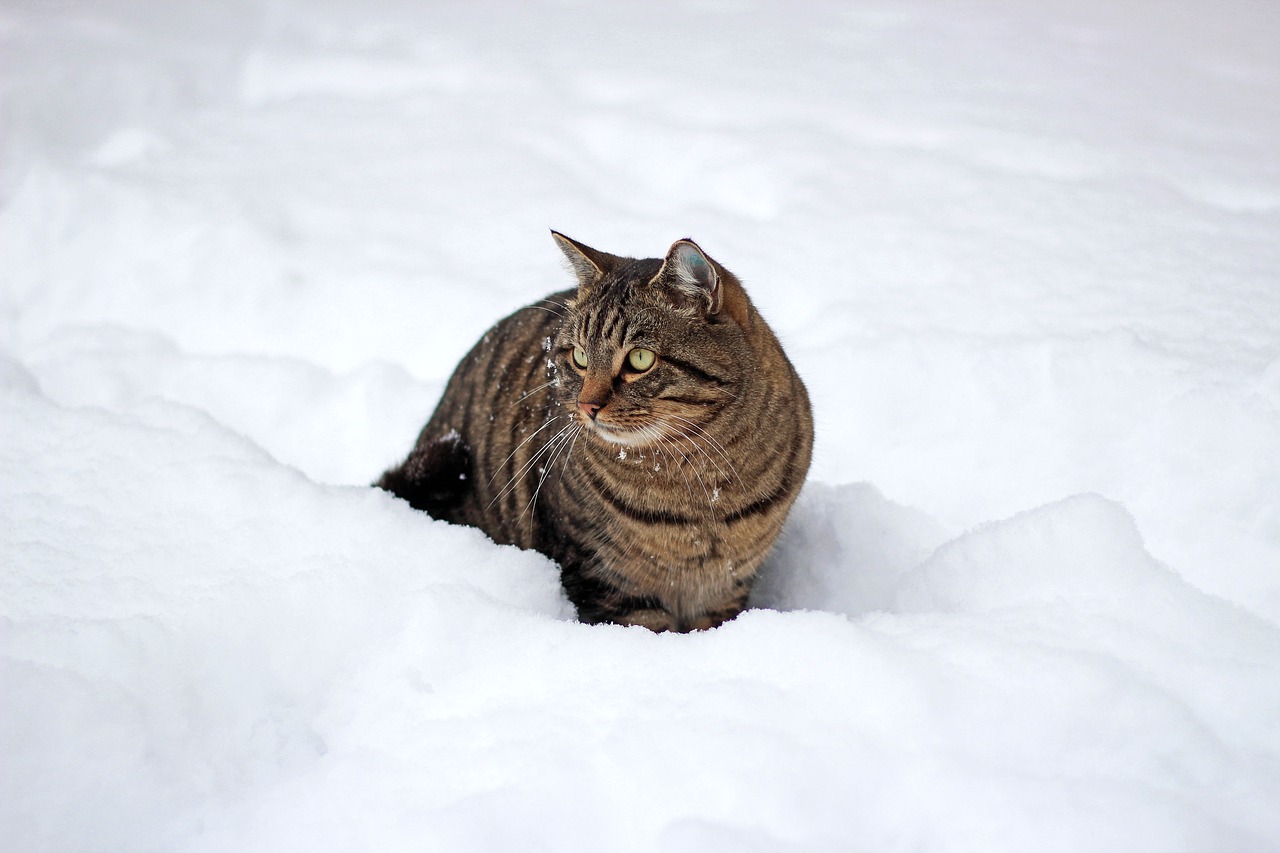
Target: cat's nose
{"x":594,"y":395}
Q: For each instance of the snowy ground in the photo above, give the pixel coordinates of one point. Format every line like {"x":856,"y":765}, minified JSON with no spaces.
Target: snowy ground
{"x":1024,"y":254}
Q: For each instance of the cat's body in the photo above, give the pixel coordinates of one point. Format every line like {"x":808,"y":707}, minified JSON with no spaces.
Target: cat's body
{"x":645,"y":431}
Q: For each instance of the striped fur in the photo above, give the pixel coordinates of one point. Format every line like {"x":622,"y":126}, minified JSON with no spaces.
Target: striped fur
{"x":658,"y":491}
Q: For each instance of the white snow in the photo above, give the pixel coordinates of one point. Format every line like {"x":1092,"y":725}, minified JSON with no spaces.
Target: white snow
{"x":1024,"y":255}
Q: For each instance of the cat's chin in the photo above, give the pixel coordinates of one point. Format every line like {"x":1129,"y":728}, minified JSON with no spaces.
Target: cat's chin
{"x":621,"y":437}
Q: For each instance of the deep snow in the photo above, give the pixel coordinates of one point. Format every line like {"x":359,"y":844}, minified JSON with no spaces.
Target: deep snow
{"x":1024,"y":256}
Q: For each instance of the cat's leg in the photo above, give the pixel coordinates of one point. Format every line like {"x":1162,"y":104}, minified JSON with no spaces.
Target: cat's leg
{"x":653,"y":618}
{"x":598,"y":601}
{"x":623,"y":609}
{"x":657,"y":619}
{"x":726,"y":610}
{"x":435,"y":478}
{"x":720,"y":615}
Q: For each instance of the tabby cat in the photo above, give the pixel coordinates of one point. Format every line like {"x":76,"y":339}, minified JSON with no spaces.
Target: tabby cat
{"x":644,"y":430}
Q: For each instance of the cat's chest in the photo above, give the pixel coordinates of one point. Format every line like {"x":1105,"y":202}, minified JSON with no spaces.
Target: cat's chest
{"x":685,"y":491}
{"x":660,"y":519}
{"x":693,"y":483}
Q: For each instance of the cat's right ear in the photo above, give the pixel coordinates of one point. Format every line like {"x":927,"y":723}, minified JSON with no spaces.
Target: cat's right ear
{"x":588,"y":264}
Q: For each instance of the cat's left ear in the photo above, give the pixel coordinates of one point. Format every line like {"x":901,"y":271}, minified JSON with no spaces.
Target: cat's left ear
{"x":588,"y":264}
{"x":688,"y":269}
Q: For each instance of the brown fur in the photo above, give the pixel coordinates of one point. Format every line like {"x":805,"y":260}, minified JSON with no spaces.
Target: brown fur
{"x":659,"y":492}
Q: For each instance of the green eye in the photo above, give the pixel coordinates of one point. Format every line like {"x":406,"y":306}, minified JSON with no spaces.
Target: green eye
{"x":641,"y":359}
{"x":580,"y":357}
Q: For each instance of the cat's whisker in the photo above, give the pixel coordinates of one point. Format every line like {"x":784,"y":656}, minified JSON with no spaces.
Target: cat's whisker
{"x":576,"y":435}
{"x":529,"y":438}
{"x":533,"y":460}
{"x":562,"y":305}
{"x":666,"y":446}
{"x":533,"y":391}
{"x":713,"y":441}
{"x":561,"y":441}
{"x":669,"y":445}
{"x":519,"y":475}
{"x":692,"y":440}
{"x":701,"y":430}
{"x":713,"y":493}
{"x":548,"y":310}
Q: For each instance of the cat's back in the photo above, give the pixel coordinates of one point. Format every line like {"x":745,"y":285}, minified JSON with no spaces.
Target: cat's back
{"x":496,"y":409}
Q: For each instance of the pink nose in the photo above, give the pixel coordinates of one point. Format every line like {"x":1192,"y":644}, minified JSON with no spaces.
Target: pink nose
{"x":589,"y":409}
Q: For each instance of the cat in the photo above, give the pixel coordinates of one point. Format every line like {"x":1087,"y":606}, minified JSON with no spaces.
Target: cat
{"x":644,"y":430}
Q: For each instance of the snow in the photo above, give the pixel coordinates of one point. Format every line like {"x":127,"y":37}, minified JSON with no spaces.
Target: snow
{"x":1024,"y":255}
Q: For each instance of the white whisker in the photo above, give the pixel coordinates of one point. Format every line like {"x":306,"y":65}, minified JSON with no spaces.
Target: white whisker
{"x":530,"y":438}
{"x":515,"y":478}
{"x":576,"y":435}
{"x":533,"y":391}
{"x":711,"y":439}
{"x":548,"y":310}
{"x":667,"y":443}
{"x":561,"y":440}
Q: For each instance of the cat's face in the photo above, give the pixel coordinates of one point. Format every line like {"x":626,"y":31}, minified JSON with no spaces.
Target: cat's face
{"x":644,"y":355}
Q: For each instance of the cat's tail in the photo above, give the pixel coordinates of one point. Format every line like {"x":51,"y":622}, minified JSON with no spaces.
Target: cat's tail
{"x":434,"y":478}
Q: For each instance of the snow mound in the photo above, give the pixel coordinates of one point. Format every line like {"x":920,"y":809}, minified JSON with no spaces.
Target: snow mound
{"x":1084,"y":549}
{"x":845,"y":549}
{"x":174,"y":599}
{"x":231,"y":656}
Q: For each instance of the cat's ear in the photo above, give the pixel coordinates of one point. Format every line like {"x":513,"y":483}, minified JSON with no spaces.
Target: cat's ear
{"x":691,"y":273}
{"x":588,"y":263}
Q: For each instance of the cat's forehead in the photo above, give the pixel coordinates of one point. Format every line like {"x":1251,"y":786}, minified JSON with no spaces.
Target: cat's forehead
{"x":629,"y":280}
{"x":613,"y":321}
{"x":627,"y":292}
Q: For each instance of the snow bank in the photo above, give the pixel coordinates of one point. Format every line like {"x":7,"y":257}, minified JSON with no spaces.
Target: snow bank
{"x":1024,"y":258}
{"x":206,"y":651}
{"x":176,"y":600}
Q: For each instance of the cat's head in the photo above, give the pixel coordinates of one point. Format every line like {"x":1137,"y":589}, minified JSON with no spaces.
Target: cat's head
{"x":651,"y":350}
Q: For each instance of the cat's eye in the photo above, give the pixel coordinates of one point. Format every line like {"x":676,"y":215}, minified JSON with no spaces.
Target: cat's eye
{"x":580,"y":357}
{"x":640,"y":359}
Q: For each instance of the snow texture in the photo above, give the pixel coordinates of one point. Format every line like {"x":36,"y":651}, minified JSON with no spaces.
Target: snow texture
{"x":1024,"y":254}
